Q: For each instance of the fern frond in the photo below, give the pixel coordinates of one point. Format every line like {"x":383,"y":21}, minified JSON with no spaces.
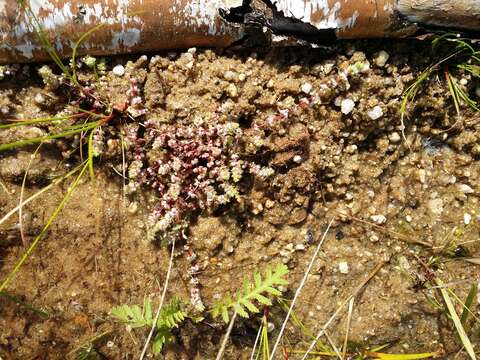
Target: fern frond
{"x":170,"y":317}
{"x":250,"y":292}
{"x":130,"y":315}
{"x":162,"y":338}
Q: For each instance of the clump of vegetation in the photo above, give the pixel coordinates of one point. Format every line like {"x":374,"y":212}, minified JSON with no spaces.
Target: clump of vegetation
{"x":455,"y":54}
{"x":170,"y":317}
{"x":193,"y":167}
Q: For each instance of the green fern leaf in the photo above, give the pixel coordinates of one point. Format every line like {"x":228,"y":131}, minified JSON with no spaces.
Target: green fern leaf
{"x":162,"y":338}
{"x":253,"y":292}
{"x":251,"y":307}
{"x":131,"y":315}
{"x":147,"y":311}
{"x":262,"y":299}
{"x":171,"y":315}
{"x":241,"y":311}
{"x":225,"y":316}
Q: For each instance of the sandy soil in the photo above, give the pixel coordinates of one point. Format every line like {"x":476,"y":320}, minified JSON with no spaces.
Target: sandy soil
{"x":394,"y":207}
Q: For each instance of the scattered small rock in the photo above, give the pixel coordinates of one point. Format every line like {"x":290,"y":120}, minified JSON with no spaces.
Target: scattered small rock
{"x":422,"y":175}
{"x":379,"y":219}
{"x":347,"y":105}
{"x":269,"y":204}
{"x":300,"y":247}
{"x":119,"y":70}
{"x":229,"y":75}
{"x":375,"y":113}
{"x":306,"y":88}
{"x":394,"y":137}
{"x":39,"y":99}
{"x":436,"y":206}
{"x":297,"y":159}
{"x":467,"y":218}
{"x":464,"y":188}
{"x":381,"y":58}
{"x":351,"y":149}
{"x":232,"y":90}
{"x":343,"y":267}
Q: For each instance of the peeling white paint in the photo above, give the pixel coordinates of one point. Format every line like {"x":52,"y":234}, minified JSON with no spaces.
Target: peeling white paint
{"x":26,"y":49}
{"x":305,"y":9}
{"x":205,"y":12}
{"x":126,"y":38}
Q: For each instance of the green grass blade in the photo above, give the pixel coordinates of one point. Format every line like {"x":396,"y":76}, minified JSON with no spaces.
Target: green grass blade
{"x":75,"y":130}
{"x":77,"y":44}
{"x":90,"y":154}
{"x":468,"y":304}
{"x":456,"y":320}
{"x":40,"y":236}
{"x":384,"y":356}
{"x":37,"y":121}
{"x":42,"y":313}
{"x":46,"y":44}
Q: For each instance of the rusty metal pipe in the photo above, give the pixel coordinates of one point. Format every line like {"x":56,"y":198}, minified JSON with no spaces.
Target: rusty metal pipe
{"x":382,"y":18}
{"x":129,"y":26}
{"x":146,"y":25}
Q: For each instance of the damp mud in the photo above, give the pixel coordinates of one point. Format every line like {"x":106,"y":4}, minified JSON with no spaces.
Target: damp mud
{"x":317,"y":136}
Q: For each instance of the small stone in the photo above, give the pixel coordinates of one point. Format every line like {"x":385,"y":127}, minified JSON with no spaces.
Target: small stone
{"x":242,"y":77}
{"x":381,"y":58}
{"x":300,"y":247}
{"x":351,"y":149}
{"x":436,"y":206}
{"x":422,"y":175}
{"x":408,"y":219}
{"x":229,"y":75}
{"x":375,"y":113}
{"x":297,"y":159}
{"x":119,"y":70}
{"x":347,"y":105}
{"x":192,"y":50}
{"x":187,"y":56}
{"x":343,"y":267}
{"x":374,"y":238}
{"x":306,"y":88}
{"x":133,"y":207}
{"x":328,"y":67}
{"x":232,"y":90}
{"x":40,"y":99}
{"x":269,"y":204}
{"x":464,"y":188}
{"x":467,"y":218}
{"x":110,"y":344}
{"x":394,"y":137}
{"x":258,"y":209}
{"x":463,"y":81}
{"x":379,"y":219}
